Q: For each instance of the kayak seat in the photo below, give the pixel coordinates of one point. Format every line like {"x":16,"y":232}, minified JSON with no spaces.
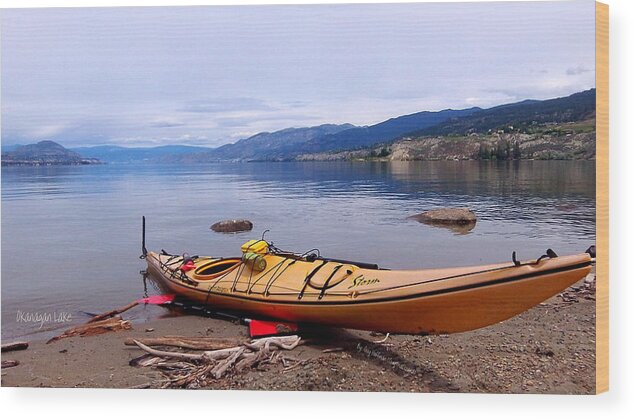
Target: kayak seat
{"x":216,"y":268}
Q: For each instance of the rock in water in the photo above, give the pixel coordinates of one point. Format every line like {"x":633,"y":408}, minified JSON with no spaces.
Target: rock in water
{"x":230,"y":226}
{"x":459,"y":220}
{"x":449,"y":216}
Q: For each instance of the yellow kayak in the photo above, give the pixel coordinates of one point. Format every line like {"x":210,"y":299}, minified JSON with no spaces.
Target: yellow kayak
{"x":269,"y":283}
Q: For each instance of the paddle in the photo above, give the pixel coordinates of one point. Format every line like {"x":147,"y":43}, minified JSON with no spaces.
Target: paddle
{"x":259,"y":328}
{"x":152,"y":300}
{"x":157,"y":299}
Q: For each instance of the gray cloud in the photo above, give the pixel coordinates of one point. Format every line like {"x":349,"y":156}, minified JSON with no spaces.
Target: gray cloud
{"x":247,"y":121}
{"x":573,"y":71}
{"x":166,"y":124}
{"x":207,"y":75}
{"x":222,"y":105}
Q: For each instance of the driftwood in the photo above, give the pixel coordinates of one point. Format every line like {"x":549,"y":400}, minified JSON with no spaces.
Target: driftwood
{"x":145,"y":360}
{"x":99,"y":324}
{"x":222,"y":367}
{"x":333,"y":350}
{"x":18,"y":345}
{"x":193,"y":343}
{"x":9,"y":363}
{"x":112,"y":313}
{"x":169,"y":354}
{"x":382,"y":340}
{"x":193,"y":370}
{"x":94,"y":328}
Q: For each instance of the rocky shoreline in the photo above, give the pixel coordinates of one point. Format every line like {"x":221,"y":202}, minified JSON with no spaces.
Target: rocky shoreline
{"x":574,"y":141}
{"x":8,"y":162}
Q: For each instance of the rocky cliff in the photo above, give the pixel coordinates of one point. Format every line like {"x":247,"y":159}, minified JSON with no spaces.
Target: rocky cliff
{"x":551,"y":141}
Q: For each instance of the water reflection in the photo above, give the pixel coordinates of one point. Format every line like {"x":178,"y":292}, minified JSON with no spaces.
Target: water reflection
{"x":457,"y":228}
{"x":82,"y":224}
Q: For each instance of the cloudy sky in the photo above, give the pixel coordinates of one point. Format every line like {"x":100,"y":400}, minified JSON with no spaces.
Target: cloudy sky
{"x":212,"y":75}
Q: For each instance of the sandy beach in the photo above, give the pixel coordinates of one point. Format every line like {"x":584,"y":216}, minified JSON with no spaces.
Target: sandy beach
{"x":548,"y":349}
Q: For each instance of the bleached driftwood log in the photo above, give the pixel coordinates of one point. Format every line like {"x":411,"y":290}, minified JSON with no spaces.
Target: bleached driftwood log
{"x":192,"y":343}
{"x":197,"y":369}
{"x":169,"y":354}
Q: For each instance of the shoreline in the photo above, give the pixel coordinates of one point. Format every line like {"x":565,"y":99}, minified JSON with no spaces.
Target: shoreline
{"x":548,"y":349}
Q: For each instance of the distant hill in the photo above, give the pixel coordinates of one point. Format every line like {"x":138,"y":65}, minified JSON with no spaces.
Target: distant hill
{"x":289,"y":143}
{"x":521,"y":116}
{"x":118,"y":154}
{"x":278,"y":145}
{"x":561,"y":128}
{"x":384,"y":131}
{"x":44,"y":153}
{"x":529,"y":117}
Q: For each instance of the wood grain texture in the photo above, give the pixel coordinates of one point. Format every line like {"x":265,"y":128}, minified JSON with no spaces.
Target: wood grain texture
{"x":602,"y":198}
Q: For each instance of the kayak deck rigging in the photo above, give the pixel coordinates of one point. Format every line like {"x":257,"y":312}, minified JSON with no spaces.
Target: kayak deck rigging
{"x":235,"y":267}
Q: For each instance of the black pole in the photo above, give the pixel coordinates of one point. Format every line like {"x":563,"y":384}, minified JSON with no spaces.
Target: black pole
{"x":143,"y":249}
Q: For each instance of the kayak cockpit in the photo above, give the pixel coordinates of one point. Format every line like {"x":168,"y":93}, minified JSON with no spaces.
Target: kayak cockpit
{"x":215,"y":268}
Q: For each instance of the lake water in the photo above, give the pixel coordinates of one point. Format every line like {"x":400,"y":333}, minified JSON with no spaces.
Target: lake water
{"x":71,"y":236}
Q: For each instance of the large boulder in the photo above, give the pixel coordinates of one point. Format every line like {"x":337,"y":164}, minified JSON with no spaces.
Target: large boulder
{"x":461,"y":219}
{"x":449,"y":216}
{"x":231,"y":226}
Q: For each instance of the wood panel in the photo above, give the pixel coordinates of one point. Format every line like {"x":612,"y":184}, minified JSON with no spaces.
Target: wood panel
{"x":602,"y":181}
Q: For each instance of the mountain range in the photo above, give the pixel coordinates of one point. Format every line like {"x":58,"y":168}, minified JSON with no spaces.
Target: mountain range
{"x":528,"y":117}
{"x":385,"y":131}
{"x":271,"y":146}
{"x":521,"y":115}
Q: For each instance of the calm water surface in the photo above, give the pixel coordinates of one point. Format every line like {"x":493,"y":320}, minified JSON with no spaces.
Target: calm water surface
{"x":71,"y":235}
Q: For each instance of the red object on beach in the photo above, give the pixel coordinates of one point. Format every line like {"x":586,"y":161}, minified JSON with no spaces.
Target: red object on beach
{"x":265,"y":328}
{"x":158,"y":299}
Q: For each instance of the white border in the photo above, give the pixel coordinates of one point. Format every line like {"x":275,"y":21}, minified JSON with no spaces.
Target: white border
{"x":47,"y":404}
